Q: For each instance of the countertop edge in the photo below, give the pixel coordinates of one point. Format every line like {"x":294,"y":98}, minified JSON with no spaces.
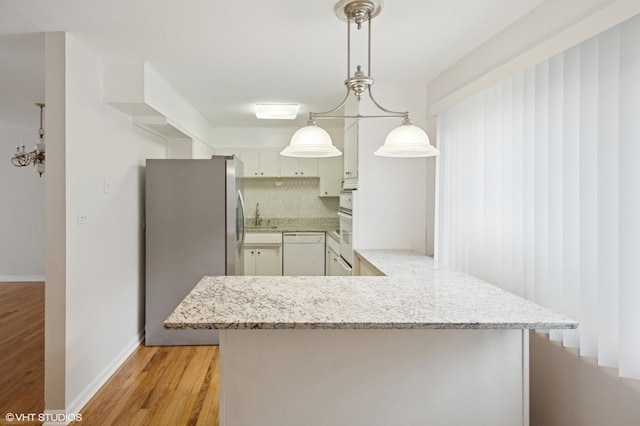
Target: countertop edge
{"x":371,"y":326}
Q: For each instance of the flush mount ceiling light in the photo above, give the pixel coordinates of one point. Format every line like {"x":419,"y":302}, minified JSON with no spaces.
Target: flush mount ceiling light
{"x":406,"y":140}
{"x":21,"y":158}
{"x":276,"y":111}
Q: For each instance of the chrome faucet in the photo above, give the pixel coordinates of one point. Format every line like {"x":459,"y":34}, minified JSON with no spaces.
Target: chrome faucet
{"x":258,"y":217}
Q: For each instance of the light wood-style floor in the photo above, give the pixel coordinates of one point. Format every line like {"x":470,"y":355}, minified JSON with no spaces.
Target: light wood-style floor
{"x":21,"y":348}
{"x":175,"y":385}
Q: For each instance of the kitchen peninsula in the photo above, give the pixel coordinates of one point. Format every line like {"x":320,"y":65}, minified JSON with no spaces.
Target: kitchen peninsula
{"x":419,"y":345}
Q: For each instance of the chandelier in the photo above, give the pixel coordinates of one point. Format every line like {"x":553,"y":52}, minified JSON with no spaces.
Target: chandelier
{"x":405,"y":140}
{"x":22,"y":158}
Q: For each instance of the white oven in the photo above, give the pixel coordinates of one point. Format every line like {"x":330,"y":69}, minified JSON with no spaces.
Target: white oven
{"x":346,"y":227}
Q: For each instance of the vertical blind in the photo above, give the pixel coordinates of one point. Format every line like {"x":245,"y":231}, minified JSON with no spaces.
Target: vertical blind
{"x":539,"y":191}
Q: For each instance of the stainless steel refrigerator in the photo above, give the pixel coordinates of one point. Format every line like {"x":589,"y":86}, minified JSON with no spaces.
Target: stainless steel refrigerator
{"x":195,"y":226}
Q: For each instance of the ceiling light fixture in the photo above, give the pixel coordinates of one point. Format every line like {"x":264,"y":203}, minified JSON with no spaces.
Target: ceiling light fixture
{"x":276,"y":111}
{"x":21,"y":158}
{"x":406,"y":140}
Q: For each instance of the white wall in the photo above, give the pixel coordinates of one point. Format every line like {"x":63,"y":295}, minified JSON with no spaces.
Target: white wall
{"x":392,"y":192}
{"x":568,"y":389}
{"x":547,"y":30}
{"x":104,"y":263}
{"x":201,"y":150}
{"x":56,"y":224}
{"x":22,"y":214}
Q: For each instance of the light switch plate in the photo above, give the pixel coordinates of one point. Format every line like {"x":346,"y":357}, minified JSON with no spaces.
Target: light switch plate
{"x":107,"y":185}
{"x":83,"y":218}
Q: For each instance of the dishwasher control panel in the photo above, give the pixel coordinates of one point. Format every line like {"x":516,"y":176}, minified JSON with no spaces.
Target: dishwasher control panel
{"x":303,"y":237}
{"x":303,"y":253}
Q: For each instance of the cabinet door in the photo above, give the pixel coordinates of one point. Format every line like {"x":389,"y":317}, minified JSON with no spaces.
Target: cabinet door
{"x":308,"y":167}
{"x":333,"y":264}
{"x":269,"y":162}
{"x":267,"y":260}
{"x":366,"y":270}
{"x":327,"y":261}
{"x":289,"y":166}
{"x":330,"y":172}
{"x":250,"y":261}
{"x":251,"y":160}
{"x":351,"y":152}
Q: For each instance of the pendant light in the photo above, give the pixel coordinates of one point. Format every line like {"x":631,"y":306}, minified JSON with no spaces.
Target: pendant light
{"x":406,"y":140}
{"x":22,"y":158}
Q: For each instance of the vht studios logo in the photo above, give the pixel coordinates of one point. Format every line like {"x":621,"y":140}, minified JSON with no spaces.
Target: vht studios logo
{"x":43,"y":417}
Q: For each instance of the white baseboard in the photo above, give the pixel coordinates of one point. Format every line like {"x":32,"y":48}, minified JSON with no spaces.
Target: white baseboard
{"x":78,"y":404}
{"x":21,"y":278}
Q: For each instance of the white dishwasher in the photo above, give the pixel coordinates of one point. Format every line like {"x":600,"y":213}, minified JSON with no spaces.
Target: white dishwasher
{"x":303,"y":253}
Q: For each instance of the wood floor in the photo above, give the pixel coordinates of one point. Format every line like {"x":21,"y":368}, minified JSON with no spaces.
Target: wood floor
{"x":156,"y":385}
{"x":21,"y":348}
{"x":176,"y":385}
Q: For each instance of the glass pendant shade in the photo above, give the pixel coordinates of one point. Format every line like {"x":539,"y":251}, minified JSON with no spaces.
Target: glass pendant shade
{"x":407,"y":140}
{"x":311,"y":141}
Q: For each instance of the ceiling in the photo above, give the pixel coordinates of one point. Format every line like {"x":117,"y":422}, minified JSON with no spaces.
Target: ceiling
{"x":224,"y":56}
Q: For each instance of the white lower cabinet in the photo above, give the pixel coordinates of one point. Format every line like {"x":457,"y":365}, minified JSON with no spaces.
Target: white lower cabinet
{"x":364,"y":268}
{"x":327,"y":261}
{"x":335,"y":266}
{"x":338,"y":267}
{"x":263,"y":261}
{"x":263,"y":254}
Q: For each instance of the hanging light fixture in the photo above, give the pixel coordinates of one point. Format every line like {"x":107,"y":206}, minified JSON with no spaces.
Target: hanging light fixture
{"x":406,"y":140}
{"x":22,"y":158}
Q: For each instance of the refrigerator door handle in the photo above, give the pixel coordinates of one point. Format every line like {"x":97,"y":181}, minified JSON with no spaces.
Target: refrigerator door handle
{"x":244,"y":221}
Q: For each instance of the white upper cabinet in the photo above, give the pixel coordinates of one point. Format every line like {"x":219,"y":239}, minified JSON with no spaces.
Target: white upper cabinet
{"x":330,"y":172}
{"x":267,"y":162}
{"x":269,"y":158}
{"x":298,"y":167}
{"x":260,"y":162}
{"x":350,"y":170}
{"x":251,"y":160}
{"x":308,"y":166}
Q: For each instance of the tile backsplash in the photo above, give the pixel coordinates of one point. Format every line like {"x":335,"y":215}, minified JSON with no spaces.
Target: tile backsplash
{"x":288,"y":198}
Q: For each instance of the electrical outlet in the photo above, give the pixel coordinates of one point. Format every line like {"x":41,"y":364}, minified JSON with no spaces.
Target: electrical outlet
{"x":83,"y":218}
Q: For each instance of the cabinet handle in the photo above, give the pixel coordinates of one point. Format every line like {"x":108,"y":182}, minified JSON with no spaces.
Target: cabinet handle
{"x":296,"y":172}
{"x":256,"y":173}
{"x":301,"y":173}
{"x":261,"y":173}
{"x":326,"y":193}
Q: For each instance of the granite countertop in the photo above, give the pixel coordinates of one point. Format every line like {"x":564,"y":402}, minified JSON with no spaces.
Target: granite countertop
{"x":293,"y":225}
{"x":415,"y":293}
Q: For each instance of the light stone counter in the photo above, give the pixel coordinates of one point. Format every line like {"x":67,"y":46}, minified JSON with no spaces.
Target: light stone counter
{"x":293,"y":225}
{"x":421,"y":345}
{"x":415,"y":293}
